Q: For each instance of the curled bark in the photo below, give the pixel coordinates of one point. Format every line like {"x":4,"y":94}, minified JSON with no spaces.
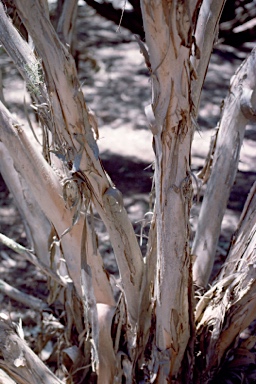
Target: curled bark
{"x":229,"y":306}
{"x":171,"y":117}
{"x":221,"y":314}
{"x":73,"y":137}
{"x":44,"y":184}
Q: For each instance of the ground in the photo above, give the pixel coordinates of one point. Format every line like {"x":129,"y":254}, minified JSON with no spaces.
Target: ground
{"x":116,"y":86}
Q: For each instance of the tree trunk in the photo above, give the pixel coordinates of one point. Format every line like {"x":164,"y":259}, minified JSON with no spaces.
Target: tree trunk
{"x":153,"y":333}
{"x":170,"y":119}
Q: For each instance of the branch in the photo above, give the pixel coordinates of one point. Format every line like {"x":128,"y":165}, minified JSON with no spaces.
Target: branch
{"x":243,"y":242}
{"x":28,"y":255}
{"x":6,"y":379}
{"x":67,"y":21}
{"x":21,"y":297}
{"x":27,"y":65}
{"x":168,"y":29}
{"x":239,"y":109}
{"x":73,"y":130}
{"x":221,"y":315}
{"x":19,"y":361}
{"x":131,"y":20}
{"x":43,"y":183}
{"x":36,"y":224}
{"x":206,"y":33}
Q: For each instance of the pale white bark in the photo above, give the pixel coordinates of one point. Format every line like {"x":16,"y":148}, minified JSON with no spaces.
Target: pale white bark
{"x":5,"y":379}
{"x":221,"y":314}
{"x":162,"y":327}
{"x":241,"y":253}
{"x":206,"y":34}
{"x":73,"y":130}
{"x":167,"y":27}
{"x":43,"y":183}
{"x":73,"y":139}
{"x":238,"y":109}
{"x":36,"y":224}
{"x":26,"y":63}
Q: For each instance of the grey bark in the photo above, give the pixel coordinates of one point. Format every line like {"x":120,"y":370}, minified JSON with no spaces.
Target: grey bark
{"x":238,"y":110}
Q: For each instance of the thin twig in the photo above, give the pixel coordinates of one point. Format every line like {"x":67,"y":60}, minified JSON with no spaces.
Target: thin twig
{"x":121,"y":18}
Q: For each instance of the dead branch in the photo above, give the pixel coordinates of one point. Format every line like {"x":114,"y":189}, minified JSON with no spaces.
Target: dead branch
{"x":19,"y":361}
{"x":21,"y":297}
{"x":28,"y":255}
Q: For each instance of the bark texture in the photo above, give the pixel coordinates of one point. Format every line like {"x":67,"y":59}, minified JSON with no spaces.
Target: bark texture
{"x":153,"y":333}
{"x":238,"y":110}
{"x":167,"y":29}
{"x":18,"y":360}
{"x":229,"y":306}
{"x":74,"y":141}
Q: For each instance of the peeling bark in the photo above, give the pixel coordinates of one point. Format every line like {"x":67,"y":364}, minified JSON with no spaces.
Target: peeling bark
{"x":169,"y":23}
{"x":221,"y":315}
{"x":155,"y":333}
{"x":73,"y":131}
{"x":43,"y":183}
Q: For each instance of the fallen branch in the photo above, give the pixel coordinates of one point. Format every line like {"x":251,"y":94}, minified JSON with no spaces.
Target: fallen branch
{"x":21,"y":297}
{"x":19,"y":361}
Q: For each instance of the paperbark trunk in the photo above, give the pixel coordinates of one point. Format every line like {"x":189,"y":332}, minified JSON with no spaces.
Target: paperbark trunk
{"x":167,"y":27}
